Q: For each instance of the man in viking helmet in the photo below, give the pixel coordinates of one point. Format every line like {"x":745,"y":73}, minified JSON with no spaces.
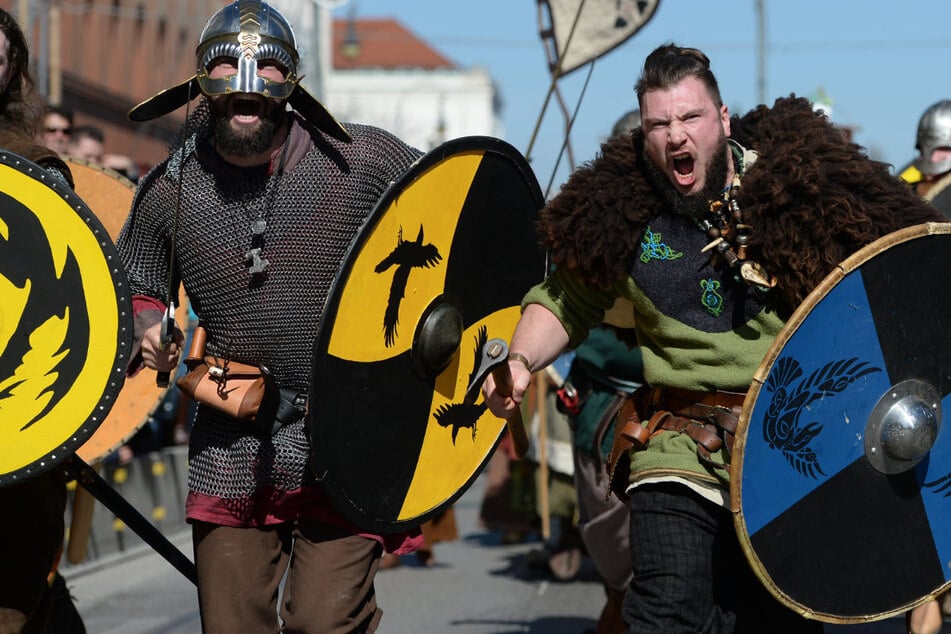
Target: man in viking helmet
{"x":930,"y":173}
{"x":253,"y":212}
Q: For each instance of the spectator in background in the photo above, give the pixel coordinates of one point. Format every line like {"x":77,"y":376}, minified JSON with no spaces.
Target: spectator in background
{"x":122,"y":164}
{"x":57,"y":127}
{"x":86,"y":143}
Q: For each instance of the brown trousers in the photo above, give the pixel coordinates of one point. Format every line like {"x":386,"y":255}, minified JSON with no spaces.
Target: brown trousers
{"x":328,"y":590}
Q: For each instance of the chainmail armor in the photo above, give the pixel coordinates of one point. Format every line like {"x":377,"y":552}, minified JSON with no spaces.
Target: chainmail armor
{"x":313,"y":212}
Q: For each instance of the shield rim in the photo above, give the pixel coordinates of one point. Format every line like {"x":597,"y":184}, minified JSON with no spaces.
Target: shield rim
{"x":847,"y":266}
{"x":412,"y":173}
{"x":84,"y":429}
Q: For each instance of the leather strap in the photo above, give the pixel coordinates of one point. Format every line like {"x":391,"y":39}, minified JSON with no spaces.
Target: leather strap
{"x":708,"y":418}
{"x":673,"y":398}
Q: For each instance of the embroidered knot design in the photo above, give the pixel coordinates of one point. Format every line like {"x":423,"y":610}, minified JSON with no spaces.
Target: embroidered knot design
{"x":711,"y":299}
{"x":653,"y":249}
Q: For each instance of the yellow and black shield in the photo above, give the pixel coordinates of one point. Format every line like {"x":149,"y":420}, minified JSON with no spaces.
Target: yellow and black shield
{"x":438,"y":270}
{"x":65,"y":320}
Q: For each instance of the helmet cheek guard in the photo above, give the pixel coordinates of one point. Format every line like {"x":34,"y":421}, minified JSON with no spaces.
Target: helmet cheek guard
{"x":248,"y":32}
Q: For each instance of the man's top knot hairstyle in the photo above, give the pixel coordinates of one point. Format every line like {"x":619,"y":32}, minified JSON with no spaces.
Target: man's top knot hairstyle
{"x":670,"y":64}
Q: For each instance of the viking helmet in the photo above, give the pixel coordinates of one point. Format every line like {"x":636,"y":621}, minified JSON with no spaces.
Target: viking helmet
{"x":934,"y":131}
{"x":249,"y":31}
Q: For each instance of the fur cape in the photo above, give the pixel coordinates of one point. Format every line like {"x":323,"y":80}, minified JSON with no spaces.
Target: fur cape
{"x":812,"y":197}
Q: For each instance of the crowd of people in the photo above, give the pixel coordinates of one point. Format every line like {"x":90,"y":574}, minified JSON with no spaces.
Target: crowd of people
{"x":671,"y":279}
{"x":86,"y":142}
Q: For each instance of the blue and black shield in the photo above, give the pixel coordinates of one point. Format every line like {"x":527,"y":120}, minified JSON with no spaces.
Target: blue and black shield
{"x":841,"y":481}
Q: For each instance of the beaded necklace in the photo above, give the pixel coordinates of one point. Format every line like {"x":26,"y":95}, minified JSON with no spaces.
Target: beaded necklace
{"x":730,"y":235}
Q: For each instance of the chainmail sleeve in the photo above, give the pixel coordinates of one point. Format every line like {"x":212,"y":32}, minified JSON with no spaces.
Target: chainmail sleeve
{"x":145,"y":238}
{"x":312,"y":213}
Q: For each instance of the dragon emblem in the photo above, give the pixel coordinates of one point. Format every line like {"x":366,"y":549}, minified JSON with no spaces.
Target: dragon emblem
{"x":782,"y":429}
{"x":44,"y":323}
{"x":459,"y":415}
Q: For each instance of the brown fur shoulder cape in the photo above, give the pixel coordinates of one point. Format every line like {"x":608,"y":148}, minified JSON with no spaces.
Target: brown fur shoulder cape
{"x":812,"y":197}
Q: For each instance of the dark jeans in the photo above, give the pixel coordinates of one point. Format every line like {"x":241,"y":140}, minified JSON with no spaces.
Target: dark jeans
{"x":690,"y":574}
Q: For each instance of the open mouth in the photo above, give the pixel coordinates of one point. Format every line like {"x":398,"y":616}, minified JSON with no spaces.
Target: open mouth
{"x":245,"y":108}
{"x":683,"y":168}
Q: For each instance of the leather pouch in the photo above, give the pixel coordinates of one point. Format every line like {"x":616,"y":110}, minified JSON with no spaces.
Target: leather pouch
{"x":237,"y":389}
{"x":242,"y":391}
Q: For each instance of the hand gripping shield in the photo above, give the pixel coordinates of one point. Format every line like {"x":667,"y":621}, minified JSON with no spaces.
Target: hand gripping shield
{"x":65,"y":321}
{"x":841,"y":481}
{"x":434,"y":277}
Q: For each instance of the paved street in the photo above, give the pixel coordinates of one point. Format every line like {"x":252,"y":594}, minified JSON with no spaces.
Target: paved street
{"x":476,"y":587}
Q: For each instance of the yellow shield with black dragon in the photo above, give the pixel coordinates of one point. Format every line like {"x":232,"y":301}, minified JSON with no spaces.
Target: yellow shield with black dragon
{"x":438,"y":270}
{"x":65,"y":320}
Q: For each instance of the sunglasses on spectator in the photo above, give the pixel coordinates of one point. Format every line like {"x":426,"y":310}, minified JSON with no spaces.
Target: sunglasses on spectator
{"x":65,"y":131}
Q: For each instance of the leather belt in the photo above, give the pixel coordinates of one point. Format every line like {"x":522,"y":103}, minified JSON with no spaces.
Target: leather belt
{"x":708,"y":418}
{"x":673,"y":398}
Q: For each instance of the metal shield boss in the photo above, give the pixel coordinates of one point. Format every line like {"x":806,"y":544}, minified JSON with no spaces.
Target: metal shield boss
{"x":438,"y":270}
{"x":841,"y":481}
{"x":109,"y":196}
{"x":65,"y":320}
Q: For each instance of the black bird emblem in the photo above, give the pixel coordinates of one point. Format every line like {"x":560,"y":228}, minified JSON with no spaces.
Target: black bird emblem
{"x":781,"y":427}
{"x":459,"y":415}
{"x":406,"y":256}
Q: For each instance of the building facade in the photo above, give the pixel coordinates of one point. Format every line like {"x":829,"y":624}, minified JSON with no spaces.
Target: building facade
{"x":102,"y":57}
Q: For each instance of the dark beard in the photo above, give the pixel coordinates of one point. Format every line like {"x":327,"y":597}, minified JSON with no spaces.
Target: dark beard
{"x":697,"y":204}
{"x":240,"y":143}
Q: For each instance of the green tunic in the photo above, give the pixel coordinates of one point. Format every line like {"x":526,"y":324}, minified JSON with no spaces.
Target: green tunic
{"x":698,"y":327}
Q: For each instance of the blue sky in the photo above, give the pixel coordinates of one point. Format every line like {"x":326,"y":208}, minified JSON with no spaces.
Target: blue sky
{"x":882,"y":62}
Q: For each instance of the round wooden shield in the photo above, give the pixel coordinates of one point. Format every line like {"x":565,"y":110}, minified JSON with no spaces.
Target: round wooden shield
{"x":438,"y":270}
{"x":841,"y":481}
{"x":65,"y":320}
{"x":109,"y":195}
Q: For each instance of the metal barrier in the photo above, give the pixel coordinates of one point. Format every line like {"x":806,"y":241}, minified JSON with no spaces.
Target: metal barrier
{"x":154,"y":483}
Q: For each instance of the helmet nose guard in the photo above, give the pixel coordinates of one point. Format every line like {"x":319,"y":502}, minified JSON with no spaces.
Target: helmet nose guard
{"x":934,"y":131}
{"x":248,"y":31}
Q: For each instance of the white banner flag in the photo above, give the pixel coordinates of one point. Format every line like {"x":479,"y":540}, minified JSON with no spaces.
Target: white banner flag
{"x":601,"y":26}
